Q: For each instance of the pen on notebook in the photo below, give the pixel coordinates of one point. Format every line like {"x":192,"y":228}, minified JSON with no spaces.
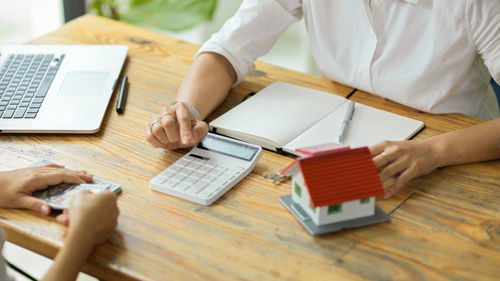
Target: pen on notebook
{"x":120,"y":104}
{"x":347,"y":120}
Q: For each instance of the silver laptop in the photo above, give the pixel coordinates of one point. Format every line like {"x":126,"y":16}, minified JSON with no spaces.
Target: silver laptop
{"x":57,"y":88}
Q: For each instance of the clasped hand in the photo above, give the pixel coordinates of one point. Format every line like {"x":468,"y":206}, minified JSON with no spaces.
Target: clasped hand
{"x":95,"y":215}
{"x":175,"y":128}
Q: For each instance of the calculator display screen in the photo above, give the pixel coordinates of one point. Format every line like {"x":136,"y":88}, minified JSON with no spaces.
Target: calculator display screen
{"x":227,"y":147}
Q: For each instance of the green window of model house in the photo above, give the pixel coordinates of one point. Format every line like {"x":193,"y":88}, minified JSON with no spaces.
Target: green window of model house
{"x":334,"y":209}
{"x":298,"y":190}
{"x":312,"y":208}
{"x":364,"y":201}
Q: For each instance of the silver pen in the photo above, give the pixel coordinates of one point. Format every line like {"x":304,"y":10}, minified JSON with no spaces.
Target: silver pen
{"x":347,"y":120}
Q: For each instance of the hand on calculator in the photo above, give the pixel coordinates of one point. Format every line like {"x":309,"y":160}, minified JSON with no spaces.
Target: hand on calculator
{"x":175,"y":127}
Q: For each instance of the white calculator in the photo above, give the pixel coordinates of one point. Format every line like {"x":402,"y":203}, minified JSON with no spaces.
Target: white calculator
{"x":209,"y":170}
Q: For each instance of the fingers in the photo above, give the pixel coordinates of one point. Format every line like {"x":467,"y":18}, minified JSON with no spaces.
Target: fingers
{"x":393,"y":170}
{"x":59,"y":175}
{"x":185,"y":124}
{"x":150,"y":136}
{"x":52,"y":165}
{"x":380,"y":162}
{"x":63,"y":219}
{"x":35,"y":204}
{"x":379,"y":147}
{"x":400,"y":182}
{"x":169,"y":124}
{"x":175,"y":128}
{"x":200,"y":130}
{"x":378,"y":151}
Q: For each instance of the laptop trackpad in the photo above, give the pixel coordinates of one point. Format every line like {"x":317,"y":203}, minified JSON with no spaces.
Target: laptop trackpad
{"x":80,"y":83}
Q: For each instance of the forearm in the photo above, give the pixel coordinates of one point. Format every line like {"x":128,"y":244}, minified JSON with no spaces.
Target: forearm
{"x":207,"y":83}
{"x":473,"y":144}
{"x":70,"y":258}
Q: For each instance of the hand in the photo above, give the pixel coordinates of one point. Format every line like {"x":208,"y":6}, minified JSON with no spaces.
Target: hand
{"x":91,"y":216}
{"x":175,"y":128}
{"x":404,"y":160}
{"x":18,"y":185}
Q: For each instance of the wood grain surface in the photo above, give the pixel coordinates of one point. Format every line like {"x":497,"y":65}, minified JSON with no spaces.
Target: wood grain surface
{"x":444,"y":225}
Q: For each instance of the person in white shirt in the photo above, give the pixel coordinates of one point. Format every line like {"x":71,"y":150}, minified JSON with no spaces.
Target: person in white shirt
{"x":433,"y":55}
{"x":91,"y":218}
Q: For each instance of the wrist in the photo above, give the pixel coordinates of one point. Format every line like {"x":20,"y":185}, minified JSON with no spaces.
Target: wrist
{"x":80,"y":237}
{"x":194,"y":112}
{"x":437,"y":151}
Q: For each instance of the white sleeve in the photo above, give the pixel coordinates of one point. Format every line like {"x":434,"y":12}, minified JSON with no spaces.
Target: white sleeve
{"x":252,"y":31}
{"x":483,"y":17}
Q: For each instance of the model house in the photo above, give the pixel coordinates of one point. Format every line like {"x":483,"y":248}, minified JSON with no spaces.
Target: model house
{"x":334,"y":185}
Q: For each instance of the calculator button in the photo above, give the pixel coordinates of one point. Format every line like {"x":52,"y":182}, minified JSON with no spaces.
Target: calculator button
{"x":220,"y":181}
{"x":197,"y":174}
{"x":185,"y":172}
{"x":205,"y":168}
{"x":205,"y":193}
{"x":208,"y":178}
{"x":196,"y":187}
{"x":178,"y":177}
{"x":183,"y":162}
{"x":189,"y":180}
{"x":218,"y":170}
{"x":193,"y":166}
{"x":190,"y":169}
{"x":175,"y":168}
{"x":213,"y":186}
{"x":171,"y":182}
{"x":211,"y":166}
{"x":228,"y":176}
{"x":182,"y":186}
{"x":167,"y":173}
{"x":160,"y":180}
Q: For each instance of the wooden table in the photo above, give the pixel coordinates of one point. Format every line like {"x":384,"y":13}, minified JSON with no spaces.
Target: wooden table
{"x":444,"y":226}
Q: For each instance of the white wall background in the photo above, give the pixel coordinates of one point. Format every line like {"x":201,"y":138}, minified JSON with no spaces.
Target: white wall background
{"x":22,"y":20}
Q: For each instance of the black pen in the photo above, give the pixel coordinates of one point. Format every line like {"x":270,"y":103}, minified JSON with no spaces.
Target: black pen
{"x":120,"y":104}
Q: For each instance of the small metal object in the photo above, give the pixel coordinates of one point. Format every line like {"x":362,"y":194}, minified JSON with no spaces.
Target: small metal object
{"x":167,"y":113}
{"x":271,"y":175}
{"x":389,"y":159}
{"x":153,"y":123}
{"x":276,"y":176}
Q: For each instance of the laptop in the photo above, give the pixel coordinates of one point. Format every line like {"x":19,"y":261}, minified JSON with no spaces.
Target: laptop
{"x":57,"y":88}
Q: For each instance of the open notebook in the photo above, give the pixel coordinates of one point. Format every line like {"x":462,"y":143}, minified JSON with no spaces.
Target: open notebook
{"x":285,"y":117}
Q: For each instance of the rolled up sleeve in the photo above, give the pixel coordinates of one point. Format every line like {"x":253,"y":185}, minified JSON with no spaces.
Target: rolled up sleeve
{"x":484,"y":23}
{"x":251,"y":32}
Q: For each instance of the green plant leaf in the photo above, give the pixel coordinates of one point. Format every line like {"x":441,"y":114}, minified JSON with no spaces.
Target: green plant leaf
{"x":171,"y":15}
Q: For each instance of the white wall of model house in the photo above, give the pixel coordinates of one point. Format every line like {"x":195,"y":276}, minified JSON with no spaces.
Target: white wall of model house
{"x":329,"y":214}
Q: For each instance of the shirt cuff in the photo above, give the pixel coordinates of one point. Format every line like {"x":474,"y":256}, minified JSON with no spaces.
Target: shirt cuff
{"x":241,"y":68}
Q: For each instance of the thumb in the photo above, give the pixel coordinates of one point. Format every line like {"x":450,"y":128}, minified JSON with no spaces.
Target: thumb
{"x":35,"y":204}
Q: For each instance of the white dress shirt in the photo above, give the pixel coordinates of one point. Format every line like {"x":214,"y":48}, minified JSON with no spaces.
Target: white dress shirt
{"x":433,"y":55}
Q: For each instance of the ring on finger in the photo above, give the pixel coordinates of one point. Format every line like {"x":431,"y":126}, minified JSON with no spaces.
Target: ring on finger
{"x":166,"y":114}
{"x":389,"y":159}
{"x":154,"y":122}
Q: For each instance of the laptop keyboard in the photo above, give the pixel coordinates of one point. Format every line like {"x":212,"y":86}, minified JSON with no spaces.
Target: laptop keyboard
{"x":24,"y":82}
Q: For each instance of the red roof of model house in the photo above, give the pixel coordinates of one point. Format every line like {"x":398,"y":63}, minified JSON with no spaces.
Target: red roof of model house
{"x":340,"y":175}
